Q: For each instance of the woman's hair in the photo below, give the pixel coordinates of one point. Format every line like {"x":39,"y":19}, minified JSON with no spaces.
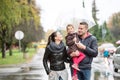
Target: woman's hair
{"x":52,"y":37}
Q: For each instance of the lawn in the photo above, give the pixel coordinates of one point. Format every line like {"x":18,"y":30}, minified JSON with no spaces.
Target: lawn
{"x":17,"y":57}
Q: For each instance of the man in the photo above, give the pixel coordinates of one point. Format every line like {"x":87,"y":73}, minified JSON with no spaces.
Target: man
{"x":88,"y":45}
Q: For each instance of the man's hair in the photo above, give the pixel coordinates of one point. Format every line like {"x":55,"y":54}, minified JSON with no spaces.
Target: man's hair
{"x":69,"y":26}
{"x":84,"y":23}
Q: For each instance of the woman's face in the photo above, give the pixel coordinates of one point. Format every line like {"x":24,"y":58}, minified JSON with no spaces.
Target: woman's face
{"x":59,"y":36}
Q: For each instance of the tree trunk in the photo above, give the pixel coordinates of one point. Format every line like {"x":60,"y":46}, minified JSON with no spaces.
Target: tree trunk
{"x":25,"y":54}
{"x":3,"y":44}
{"x":10,"y":44}
{"x":10,"y":51}
{"x":3,"y":49}
{"x":24,"y":46}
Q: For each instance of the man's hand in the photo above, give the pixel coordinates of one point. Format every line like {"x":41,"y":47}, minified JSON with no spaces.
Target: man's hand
{"x":80,"y":45}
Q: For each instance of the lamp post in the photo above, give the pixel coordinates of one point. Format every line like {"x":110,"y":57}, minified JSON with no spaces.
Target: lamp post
{"x":103,"y":33}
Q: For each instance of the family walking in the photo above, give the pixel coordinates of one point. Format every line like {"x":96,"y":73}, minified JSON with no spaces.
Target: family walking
{"x":82,"y":47}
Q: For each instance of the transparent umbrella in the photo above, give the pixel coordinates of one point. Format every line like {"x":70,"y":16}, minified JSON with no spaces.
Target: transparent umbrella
{"x":90,"y":23}
{"x":75,"y":17}
{"x":86,"y":16}
{"x":118,"y":42}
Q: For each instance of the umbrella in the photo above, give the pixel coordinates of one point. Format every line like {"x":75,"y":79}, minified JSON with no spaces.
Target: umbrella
{"x":85,"y":17}
{"x":118,"y":42}
{"x":76,"y":22}
{"x":75,"y":17}
{"x":90,"y":23}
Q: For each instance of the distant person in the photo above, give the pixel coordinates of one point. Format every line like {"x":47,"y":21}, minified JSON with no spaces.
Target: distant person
{"x":88,"y":45}
{"x":71,"y":39}
{"x":106,"y":53}
{"x":106,"y":56}
{"x":56,"y":55}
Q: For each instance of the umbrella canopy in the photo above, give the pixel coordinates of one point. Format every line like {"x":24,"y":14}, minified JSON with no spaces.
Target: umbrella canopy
{"x":90,"y":23}
{"x":118,"y":42}
{"x":75,"y":17}
{"x":85,"y":17}
{"x":76,"y":22}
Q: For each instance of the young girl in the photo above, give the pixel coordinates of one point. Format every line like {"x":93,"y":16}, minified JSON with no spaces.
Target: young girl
{"x":71,"y":38}
{"x":56,"y":54}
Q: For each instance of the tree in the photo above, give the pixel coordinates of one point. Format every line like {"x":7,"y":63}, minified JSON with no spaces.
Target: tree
{"x":94,"y":11}
{"x":9,"y":15}
{"x":30,"y":21}
{"x":31,"y":33}
{"x":108,"y":36}
{"x":12,"y":12}
{"x":114,"y":25}
{"x":96,"y":30}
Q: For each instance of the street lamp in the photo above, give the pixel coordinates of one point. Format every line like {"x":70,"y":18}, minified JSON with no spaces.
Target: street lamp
{"x":103,"y":33}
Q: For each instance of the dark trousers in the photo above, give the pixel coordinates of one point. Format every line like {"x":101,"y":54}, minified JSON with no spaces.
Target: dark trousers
{"x":84,"y":74}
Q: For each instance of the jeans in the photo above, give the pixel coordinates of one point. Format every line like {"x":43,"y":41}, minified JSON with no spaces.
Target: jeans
{"x":84,"y":74}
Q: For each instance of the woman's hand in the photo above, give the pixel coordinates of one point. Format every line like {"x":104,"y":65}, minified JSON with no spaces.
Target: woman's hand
{"x":51,"y":73}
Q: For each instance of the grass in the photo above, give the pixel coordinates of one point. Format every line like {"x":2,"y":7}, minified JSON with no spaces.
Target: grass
{"x":17,"y":57}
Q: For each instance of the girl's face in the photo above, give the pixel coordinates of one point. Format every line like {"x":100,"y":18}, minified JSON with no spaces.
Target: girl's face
{"x":70,"y":29}
{"x":59,"y":36}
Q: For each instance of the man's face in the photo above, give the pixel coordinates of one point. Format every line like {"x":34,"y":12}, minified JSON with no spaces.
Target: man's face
{"x":82,"y":30}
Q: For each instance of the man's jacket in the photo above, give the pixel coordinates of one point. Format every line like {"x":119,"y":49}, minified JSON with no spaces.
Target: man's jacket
{"x":91,"y":51}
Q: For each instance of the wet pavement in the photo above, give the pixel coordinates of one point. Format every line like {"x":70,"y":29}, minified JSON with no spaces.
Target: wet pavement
{"x":35,"y":71}
{"x":28,"y":71}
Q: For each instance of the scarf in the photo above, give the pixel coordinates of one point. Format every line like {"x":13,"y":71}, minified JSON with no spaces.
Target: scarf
{"x":56,"y":47}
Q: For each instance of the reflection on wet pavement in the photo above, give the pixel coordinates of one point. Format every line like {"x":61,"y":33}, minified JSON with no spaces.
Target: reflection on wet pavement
{"x":35,"y":71}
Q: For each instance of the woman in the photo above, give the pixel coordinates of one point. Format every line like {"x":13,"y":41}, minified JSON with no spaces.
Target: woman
{"x":56,"y":54}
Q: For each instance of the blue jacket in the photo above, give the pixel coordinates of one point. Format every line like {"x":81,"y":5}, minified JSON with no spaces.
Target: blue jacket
{"x":106,"y":53}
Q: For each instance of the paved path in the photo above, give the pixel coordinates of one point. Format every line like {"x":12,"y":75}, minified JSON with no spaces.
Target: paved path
{"x":36,"y":68}
{"x":37,"y":60}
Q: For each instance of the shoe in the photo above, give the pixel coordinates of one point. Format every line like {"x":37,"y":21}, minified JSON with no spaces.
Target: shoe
{"x":75,"y":77}
{"x":75,"y":67}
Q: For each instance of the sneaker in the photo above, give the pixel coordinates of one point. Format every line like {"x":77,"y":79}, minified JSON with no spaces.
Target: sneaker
{"x":75,"y":67}
{"x":75,"y":77}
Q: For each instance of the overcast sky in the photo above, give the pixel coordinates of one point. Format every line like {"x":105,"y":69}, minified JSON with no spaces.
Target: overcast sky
{"x":55,"y":12}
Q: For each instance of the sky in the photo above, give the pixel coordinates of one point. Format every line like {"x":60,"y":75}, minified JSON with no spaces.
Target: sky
{"x":55,"y":13}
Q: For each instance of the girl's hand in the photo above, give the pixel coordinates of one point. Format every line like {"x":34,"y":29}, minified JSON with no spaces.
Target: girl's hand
{"x":73,"y":54}
{"x":80,"y":45}
{"x":75,"y":39}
